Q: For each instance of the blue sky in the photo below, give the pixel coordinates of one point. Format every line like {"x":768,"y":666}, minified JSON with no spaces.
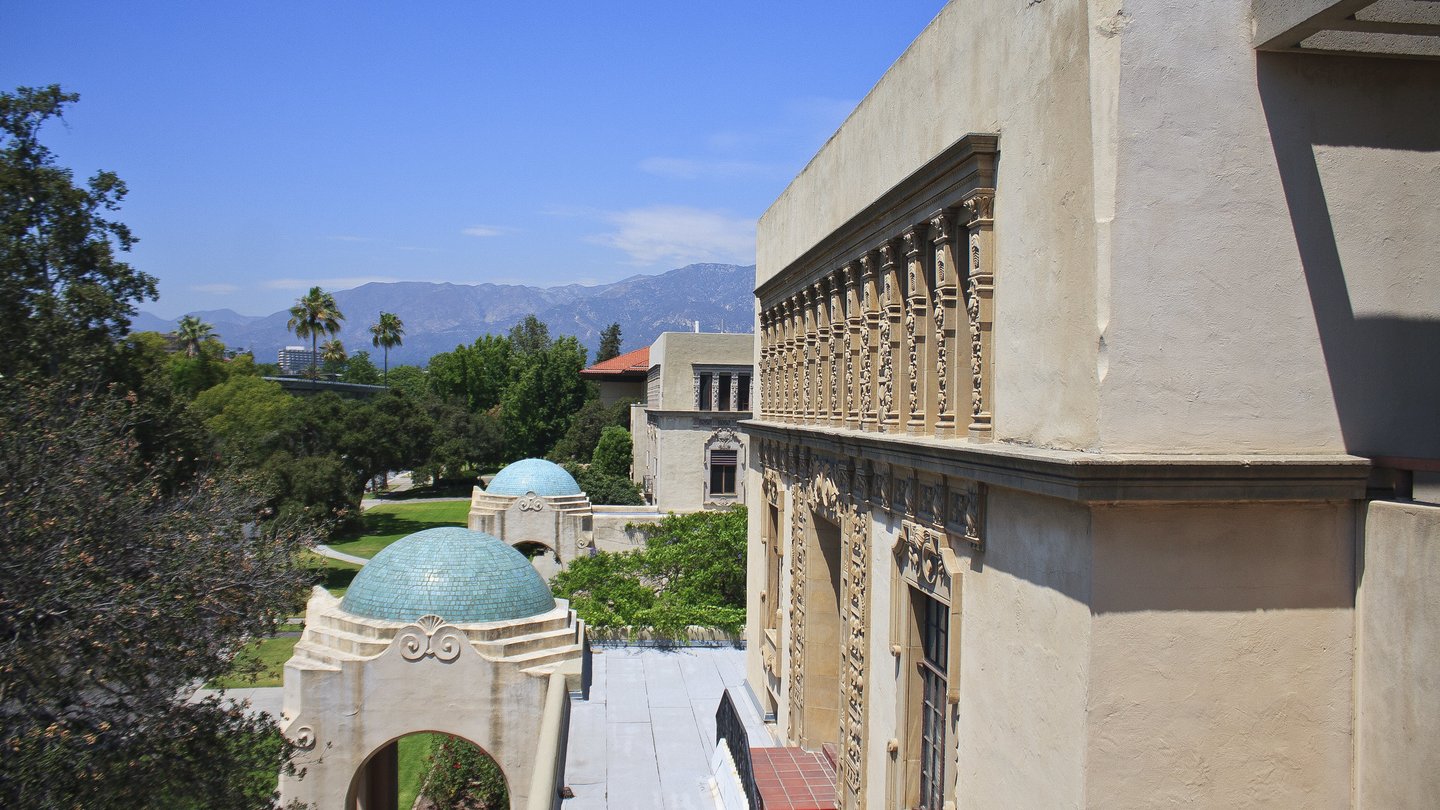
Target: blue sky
{"x":269,"y":146}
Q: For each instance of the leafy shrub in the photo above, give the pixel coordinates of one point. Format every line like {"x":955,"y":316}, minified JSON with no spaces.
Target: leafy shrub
{"x":463,"y":776}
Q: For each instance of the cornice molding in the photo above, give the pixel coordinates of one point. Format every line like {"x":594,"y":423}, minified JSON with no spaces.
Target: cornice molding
{"x":1094,"y":477}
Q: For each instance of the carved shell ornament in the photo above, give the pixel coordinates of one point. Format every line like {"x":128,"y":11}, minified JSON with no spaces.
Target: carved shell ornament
{"x":530,"y":502}
{"x":430,"y":637}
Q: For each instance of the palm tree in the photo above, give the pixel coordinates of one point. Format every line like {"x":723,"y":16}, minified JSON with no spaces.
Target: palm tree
{"x":387,"y":333}
{"x":333,"y":351}
{"x":313,"y":313}
{"x":192,"y":332}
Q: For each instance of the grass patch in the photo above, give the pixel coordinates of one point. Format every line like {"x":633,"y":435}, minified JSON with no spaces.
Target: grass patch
{"x":444,"y":489}
{"x":414,"y":764}
{"x":334,"y":575}
{"x":269,"y":655}
{"x":388,"y":522}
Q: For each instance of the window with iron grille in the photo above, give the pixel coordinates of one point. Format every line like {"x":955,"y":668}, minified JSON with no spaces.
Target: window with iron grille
{"x":723,"y":466}
{"x":934,"y":642}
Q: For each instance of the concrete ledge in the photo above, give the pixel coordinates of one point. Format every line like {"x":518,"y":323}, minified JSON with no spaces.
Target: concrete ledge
{"x":1104,"y":477}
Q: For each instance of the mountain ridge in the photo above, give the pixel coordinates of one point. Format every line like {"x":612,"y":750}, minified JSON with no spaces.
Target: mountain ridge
{"x":438,"y":316}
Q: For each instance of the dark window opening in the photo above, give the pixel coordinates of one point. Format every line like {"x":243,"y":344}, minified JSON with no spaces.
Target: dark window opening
{"x":724,"y":395}
{"x":723,"y":467}
{"x":934,"y":642}
{"x":742,"y":397}
{"x":705,"y":392}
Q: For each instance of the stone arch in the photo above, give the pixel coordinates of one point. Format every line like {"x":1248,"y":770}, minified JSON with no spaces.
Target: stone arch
{"x":354,"y":798}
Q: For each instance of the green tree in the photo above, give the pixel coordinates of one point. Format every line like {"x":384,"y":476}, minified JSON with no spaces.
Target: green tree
{"x":613,"y":452}
{"x":578,"y":443}
{"x":386,"y":334}
{"x":313,"y":314}
{"x":192,"y":332}
{"x":114,"y":604}
{"x":530,"y":336}
{"x":65,"y":298}
{"x":412,"y":380}
{"x":544,"y":394}
{"x":462,"y":775}
{"x":247,"y":414}
{"x":609,"y":343}
{"x":361,"y":369}
{"x":476,"y":375}
{"x":691,"y":572}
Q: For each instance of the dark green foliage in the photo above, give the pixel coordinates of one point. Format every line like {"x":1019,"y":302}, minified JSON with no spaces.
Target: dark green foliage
{"x":691,"y":572}
{"x":474,"y":376}
{"x":613,"y":452}
{"x":603,"y":488}
{"x":411,"y":380}
{"x":530,"y":336}
{"x":544,"y":394}
{"x":65,"y":299}
{"x":114,"y":599}
{"x":361,"y":369}
{"x":609,"y":344}
{"x":578,"y":443}
{"x":462,"y":776}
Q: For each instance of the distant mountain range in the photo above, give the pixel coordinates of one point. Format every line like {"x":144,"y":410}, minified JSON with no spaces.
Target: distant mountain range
{"x":438,"y":317}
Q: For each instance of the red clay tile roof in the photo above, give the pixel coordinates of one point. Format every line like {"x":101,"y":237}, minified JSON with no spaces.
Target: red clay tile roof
{"x":629,"y":364}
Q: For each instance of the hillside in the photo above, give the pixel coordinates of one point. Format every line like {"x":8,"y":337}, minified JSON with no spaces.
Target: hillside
{"x":439,"y":317}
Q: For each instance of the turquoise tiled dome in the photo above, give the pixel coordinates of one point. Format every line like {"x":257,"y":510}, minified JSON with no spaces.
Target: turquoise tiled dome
{"x":457,"y":574}
{"x":535,"y":475}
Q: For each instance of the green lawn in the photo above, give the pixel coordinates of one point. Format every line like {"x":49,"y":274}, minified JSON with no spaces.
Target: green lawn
{"x":412,"y":767}
{"x":270,"y":653}
{"x":335,"y":575}
{"x":388,"y":522}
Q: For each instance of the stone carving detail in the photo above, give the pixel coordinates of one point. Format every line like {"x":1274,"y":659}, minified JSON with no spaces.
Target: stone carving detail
{"x":941,"y":360}
{"x":920,"y":557}
{"x":530,"y":502}
{"x":972,"y":309}
{"x":857,"y":622}
{"x":965,"y":512}
{"x":798,"y":522}
{"x":304,"y":738}
{"x":914,"y":362}
{"x":428,"y":637}
{"x":864,"y":370}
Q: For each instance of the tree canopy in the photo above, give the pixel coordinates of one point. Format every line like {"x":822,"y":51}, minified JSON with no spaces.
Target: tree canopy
{"x":315,"y":313}
{"x":609,"y":343}
{"x":64,"y":296}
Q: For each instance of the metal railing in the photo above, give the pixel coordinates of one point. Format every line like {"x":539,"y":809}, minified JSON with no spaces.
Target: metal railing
{"x":730,"y":729}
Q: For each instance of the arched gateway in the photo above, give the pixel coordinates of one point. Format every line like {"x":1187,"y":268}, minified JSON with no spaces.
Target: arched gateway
{"x":445,"y":630}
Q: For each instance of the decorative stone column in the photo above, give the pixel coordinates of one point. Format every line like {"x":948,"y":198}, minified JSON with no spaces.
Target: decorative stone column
{"x":893,"y":379}
{"x":854,"y":322}
{"x":808,"y":365}
{"x":869,"y":344}
{"x":788,"y":380}
{"x":920,"y":371}
{"x":839,"y":352}
{"x":946,"y":314}
{"x":824,"y":351}
{"x":980,"y":309}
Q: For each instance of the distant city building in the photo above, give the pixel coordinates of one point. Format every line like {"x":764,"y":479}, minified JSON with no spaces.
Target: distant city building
{"x":688,"y":451}
{"x":295,"y":359}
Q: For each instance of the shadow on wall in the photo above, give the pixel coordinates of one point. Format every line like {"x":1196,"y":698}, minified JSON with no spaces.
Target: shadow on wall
{"x":1369,"y":130}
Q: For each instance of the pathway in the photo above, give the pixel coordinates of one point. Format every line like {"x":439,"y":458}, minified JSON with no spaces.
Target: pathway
{"x":645,"y":737}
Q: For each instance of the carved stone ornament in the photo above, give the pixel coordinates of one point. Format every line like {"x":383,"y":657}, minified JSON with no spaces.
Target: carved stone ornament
{"x":972,"y":309}
{"x":942,"y":360}
{"x":304,"y":738}
{"x":530,"y":502}
{"x":979,"y":207}
{"x":914,"y":362}
{"x":921,"y":558}
{"x":430,"y":637}
{"x":965,"y":512}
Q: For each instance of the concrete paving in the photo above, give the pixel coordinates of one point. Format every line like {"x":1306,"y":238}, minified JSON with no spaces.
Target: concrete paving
{"x":267,"y":699}
{"x":645,"y":737}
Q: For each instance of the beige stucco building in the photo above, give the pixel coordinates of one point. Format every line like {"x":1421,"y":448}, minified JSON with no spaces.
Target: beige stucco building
{"x":688,"y":453}
{"x":1097,"y":384}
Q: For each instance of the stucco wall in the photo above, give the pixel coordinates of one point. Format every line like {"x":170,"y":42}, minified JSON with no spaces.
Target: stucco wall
{"x":1221,"y":656}
{"x":1275,"y":228}
{"x":676,"y":353}
{"x":1228,"y":257}
{"x":1024,"y":666}
{"x":679,"y":457}
{"x":1022,"y":70}
{"x":1398,"y":713}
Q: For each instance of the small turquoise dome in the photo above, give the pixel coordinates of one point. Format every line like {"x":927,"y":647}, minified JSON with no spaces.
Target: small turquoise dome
{"x":457,"y":574}
{"x":544,"y":478}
